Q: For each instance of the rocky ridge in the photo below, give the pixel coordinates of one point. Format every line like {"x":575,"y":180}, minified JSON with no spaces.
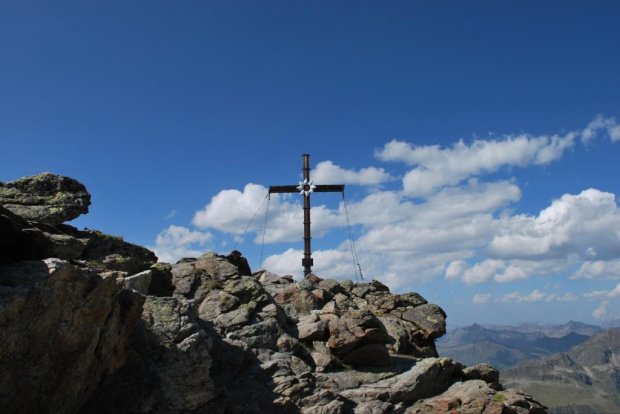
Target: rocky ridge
{"x":108,"y":329}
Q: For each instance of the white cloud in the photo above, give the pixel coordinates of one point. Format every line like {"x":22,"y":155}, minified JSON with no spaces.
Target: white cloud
{"x":481,"y":298}
{"x":534,"y":296}
{"x":176,"y":242}
{"x":575,"y":224}
{"x":609,"y":125}
{"x":483,"y":272}
{"x":601,"y":311}
{"x":232,"y":211}
{"x":598,"y":294}
{"x":408,"y":241}
{"x":511,"y":274}
{"x":455,"y":269}
{"x":327,"y":172}
{"x":598,"y":270}
{"x":330,"y":264}
{"x":436,"y":167}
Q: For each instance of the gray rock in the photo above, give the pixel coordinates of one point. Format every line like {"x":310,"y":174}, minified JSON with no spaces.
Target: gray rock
{"x":139,"y":282}
{"x":476,"y":396}
{"x":45,"y":198}
{"x":430,"y":318}
{"x":484,"y":372}
{"x":63,"y":329}
{"x":429,"y":377}
{"x":171,"y":372}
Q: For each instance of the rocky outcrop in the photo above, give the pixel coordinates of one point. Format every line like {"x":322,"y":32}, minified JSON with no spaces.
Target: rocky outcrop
{"x":31,"y":212}
{"x":45,"y":198}
{"x":477,"y":397}
{"x":92,"y":325}
{"x":63,"y":328}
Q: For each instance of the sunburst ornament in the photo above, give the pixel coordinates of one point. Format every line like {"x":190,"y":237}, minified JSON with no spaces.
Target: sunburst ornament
{"x":306,"y":187}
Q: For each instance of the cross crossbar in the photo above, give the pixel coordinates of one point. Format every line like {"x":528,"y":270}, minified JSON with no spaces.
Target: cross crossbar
{"x":306,"y":188}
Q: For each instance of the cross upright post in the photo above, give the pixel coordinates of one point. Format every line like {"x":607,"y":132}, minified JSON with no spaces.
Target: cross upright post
{"x":305,"y":188}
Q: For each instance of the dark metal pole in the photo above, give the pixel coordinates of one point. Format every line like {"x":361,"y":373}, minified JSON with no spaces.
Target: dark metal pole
{"x":307,"y":260}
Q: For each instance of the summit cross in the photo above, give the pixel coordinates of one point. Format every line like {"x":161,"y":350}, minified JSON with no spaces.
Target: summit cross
{"x":305,"y":188}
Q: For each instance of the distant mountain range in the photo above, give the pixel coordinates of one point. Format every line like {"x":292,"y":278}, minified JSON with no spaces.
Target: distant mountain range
{"x":585,"y":379}
{"x":504,"y":346}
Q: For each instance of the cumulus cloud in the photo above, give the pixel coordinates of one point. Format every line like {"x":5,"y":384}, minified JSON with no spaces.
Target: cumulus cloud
{"x":327,"y":172}
{"x":232,"y":211}
{"x":481,"y":298}
{"x":446,"y":220}
{"x":176,"y":242}
{"x":333,"y":264}
{"x":482,"y":272}
{"x":574,"y":224}
{"x":598,"y":270}
{"x":455,"y":269}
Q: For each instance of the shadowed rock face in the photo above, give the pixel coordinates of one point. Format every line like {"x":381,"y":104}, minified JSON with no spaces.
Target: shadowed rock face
{"x":101,"y":328}
{"x":45,"y":198}
{"x":63,"y":328}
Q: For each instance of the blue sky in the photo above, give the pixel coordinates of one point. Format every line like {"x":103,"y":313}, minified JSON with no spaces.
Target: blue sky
{"x":478,"y":140}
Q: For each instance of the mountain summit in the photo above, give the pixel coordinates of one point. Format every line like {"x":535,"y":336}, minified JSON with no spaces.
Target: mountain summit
{"x":93,"y":324}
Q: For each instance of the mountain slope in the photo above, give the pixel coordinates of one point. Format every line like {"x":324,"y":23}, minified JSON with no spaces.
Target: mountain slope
{"x":587,"y":375}
{"x":502,"y":347}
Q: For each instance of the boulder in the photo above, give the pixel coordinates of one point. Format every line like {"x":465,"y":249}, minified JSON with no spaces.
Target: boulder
{"x":354,"y":330}
{"x":111,"y":252}
{"x":23,"y":240}
{"x":430,"y":318}
{"x":476,"y":396}
{"x":427,"y":378}
{"x":64,"y":328}
{"x":484,"y":372}
{"x":170,"y":370}
{"x":45,"y":198}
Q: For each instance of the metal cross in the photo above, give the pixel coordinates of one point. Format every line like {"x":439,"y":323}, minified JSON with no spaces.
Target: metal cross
{"x":305,"y":188}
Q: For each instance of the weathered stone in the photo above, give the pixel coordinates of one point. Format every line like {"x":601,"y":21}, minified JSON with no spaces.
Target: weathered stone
{"x":215,"y":303}
{"x":311,"y":328}
{"x":429,"y":377}
{"x":430,"y":318}
{"x":233,"y":318}
{"x":172,"y":369}
{"x":484,"y":372}
{"x":476,"y":396}
{"x":139,"y":282}
{"x":264,"y":334}
{"x":113,"y":253}
{"x":45,"y":198}
{"x":405,"y":342}
{"x":62,"y":329}
{"x":22,"y":240}
{"x":287,"y":343}
{"x":374,"y":407}
{"x":411,"y":299}
{"x":380,"y":287}
{"x":354,"y":329}
{"x":241,"y":263}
